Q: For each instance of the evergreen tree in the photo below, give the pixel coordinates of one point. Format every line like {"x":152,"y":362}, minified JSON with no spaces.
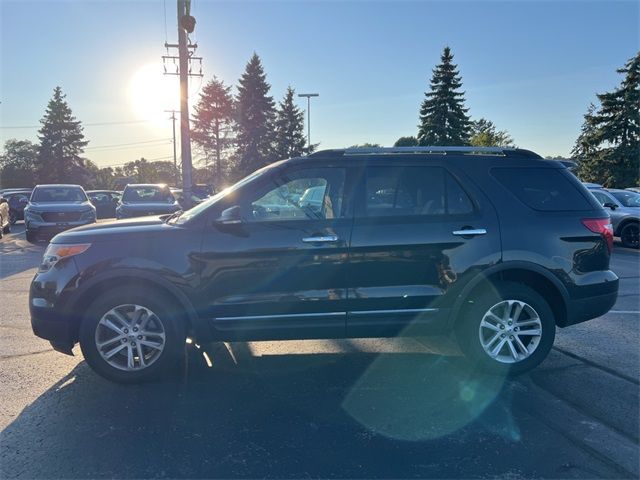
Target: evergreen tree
{"x":289,"y":128}
{"x":212,"y":126}
{"x":17,"y":164}
{"x":406,"y":142}
{"x":254,"y":119}
{"x":608,"y":147}
{"x":443,"y":116}
{"x":484,"y":133}
{"x":61,"y":145}
{"x":585,"y":142}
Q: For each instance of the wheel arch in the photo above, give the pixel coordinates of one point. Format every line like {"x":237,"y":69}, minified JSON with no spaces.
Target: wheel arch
{"x":624,"y":223}
{"x":86,"y":294}
{"x":530,"y":274}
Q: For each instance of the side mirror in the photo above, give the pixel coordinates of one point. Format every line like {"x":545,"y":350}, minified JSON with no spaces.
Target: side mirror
{"x":610,"y":205}
{"x":230,"y":216}
{"x":3,"y":200}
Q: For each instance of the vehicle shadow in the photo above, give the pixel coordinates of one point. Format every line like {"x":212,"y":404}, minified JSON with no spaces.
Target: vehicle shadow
{"x":350,"y":415}
{"x":18,"y":255}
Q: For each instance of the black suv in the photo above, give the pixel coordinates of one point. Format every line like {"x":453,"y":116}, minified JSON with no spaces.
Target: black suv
{"x":496,"y":246}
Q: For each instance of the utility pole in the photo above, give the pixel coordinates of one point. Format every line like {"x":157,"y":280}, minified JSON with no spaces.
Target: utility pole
{"x":308,"y":97}
{"x":173,"y":118}
{"x":186,"y":24}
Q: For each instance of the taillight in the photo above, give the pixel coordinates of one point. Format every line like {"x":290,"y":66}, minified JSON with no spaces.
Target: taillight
{"x":603,"y":227}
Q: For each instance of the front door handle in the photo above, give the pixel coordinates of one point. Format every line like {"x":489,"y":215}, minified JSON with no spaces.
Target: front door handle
{"x":321,"y":239}
{"x":471,"y":232}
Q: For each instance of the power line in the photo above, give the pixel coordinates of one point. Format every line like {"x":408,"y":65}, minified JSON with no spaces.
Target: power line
{"x":116,"y":146}
{"x":96,"y":124}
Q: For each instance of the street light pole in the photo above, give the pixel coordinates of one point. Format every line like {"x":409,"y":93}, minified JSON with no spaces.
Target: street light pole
{"x":308,"y":97}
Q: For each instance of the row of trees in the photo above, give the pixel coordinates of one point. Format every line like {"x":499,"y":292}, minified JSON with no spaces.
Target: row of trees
{"x":239,"y":134}
{"x":236,"y":134}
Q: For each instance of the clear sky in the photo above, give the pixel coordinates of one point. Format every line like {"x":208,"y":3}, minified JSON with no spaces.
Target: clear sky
{"x":530,"y":67}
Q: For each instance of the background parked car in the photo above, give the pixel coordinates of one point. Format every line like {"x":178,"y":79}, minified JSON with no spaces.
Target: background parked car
{"x":140,"y":200}
{"x":179,"y":196}
{"x":624,"y":209}
{"x":5,"y":225}
{"x":55,"y":208}
{"x":18,"y":200}
{"x":105,"y":202}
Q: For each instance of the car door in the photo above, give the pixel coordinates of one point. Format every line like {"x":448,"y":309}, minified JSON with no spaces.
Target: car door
{"x":279,"y":271}
{"x":417,"y":230}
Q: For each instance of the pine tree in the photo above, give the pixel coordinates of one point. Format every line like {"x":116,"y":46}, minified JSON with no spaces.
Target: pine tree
{"x":254,"y":119}
{"x":443,"y":116}
{"x":608,"y":147}
{"x":61,"y":144}
{"x":289,"y":128}
{"x":213,"y":125}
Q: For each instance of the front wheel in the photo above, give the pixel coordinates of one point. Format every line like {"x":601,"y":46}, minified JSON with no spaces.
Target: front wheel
{"x":508,"y":328}
{"x":629,"y":235}
{"x":132,"y":337}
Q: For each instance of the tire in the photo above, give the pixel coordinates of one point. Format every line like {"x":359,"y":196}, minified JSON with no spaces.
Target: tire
{"x":629,"y":235}
{"x":7,"y":228}
{"x":165,"y":323}
{"x":31,"y":238}
{"x":477,"y":326}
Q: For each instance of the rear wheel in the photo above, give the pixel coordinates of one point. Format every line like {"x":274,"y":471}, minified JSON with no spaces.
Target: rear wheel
{"x":132,"y":337}
{"x":509,"y":328}
{"x":31,"y":238}
{"x":629,"y":235}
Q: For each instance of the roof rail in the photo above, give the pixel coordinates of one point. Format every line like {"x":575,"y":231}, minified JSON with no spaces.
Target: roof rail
{"x":435,"y":150}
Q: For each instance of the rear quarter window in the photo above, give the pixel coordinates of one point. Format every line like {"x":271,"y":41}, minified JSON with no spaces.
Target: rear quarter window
{"x":543,"y":189}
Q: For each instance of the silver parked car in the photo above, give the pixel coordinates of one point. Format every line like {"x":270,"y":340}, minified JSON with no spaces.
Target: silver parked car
{"x":624,"y":210}
{"x":55,"y":208}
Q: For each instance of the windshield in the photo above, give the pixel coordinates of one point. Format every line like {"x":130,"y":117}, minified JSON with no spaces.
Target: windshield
{"x":198,"y":209}
{"x":58,"y":195}
{"x":147,"y":194}
{"x":627,"y":199}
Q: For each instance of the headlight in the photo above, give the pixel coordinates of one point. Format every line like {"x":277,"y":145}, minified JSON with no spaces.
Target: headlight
{"x":56,"y":252}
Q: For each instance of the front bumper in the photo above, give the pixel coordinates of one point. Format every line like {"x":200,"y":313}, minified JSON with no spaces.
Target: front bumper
{"x":49,"y":293}
{"x":47,"y":229}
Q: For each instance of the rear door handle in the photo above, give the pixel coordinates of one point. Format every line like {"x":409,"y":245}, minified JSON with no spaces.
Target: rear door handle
{"x":471,"y":232}
{"x":321,"y":239}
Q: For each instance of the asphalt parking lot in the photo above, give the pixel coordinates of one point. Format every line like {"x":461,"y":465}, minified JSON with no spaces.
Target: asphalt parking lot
{"x":349,"y":409}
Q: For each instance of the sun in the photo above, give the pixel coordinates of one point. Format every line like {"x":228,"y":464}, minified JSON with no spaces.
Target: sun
{"x":151,"y":93}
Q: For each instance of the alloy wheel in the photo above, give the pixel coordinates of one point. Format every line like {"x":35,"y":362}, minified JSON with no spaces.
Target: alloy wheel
{"x":510,"y":331}
{"x":630,"y":235}
{"x":130,"y":337}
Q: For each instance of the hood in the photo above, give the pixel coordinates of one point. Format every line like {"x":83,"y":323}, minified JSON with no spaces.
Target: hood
{"x":112,"y":230}
{"x":60,"y":207}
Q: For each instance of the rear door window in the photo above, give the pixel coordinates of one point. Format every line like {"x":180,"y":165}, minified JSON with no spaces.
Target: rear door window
{"x":419,"y":191}
{"x":544,"y":189}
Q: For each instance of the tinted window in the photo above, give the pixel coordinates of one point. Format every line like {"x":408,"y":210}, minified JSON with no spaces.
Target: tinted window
{"x":148,"y":194}
{"x":304,"y":195}
{"x":601,"y":197}
{"x":58,"y":195}
{"x":628,"y":199}
{"x":394,"y":191}
{"x":544,"y":189}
